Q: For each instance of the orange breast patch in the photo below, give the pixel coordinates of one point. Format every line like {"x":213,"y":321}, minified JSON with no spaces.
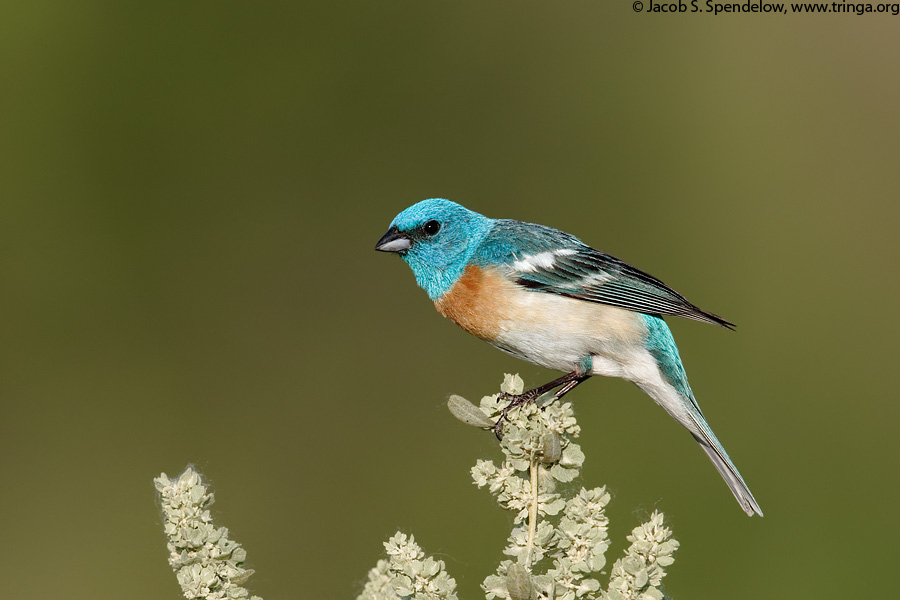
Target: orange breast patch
{"x":476,"y":302}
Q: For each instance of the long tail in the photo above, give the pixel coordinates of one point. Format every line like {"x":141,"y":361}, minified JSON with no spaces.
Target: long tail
{"x":716,"y":453}
{"x":685,"y":411}
{"x":672,"y":391}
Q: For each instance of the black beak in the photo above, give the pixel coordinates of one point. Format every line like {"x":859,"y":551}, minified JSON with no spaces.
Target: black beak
{"x":394,"y":241}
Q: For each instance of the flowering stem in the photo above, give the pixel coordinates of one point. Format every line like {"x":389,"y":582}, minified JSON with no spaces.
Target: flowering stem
{"x":208,"y":565}
{"x":532,"y":512}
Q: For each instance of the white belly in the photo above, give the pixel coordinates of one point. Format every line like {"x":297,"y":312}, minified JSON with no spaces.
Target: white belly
{"x":558,"y":332}
{"x":546,"y":329}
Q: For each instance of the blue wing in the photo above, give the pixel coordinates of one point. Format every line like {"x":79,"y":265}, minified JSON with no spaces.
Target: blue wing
{"x":547,"y":260}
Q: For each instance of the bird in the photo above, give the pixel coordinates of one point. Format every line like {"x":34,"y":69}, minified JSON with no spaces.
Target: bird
{"x":544,"y":296}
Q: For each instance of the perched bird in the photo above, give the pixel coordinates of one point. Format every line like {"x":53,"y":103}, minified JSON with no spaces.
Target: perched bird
{"x":544,"y":296}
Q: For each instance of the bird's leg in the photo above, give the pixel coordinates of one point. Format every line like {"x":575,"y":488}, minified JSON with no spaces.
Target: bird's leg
{"x":568,"y":382}
{"x":568,"y":387}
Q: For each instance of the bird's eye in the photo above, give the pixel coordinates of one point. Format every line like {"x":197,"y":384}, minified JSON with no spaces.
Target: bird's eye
{"x":431,"y":227}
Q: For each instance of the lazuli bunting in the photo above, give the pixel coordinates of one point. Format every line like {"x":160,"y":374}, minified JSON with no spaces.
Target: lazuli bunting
{"x":544,"y":296}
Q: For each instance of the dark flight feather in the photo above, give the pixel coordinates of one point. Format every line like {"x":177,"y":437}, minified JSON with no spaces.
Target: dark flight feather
{"x":584,"y":273}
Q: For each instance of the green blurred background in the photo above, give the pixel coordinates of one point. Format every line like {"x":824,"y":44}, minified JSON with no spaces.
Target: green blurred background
{"x":189,"y":198}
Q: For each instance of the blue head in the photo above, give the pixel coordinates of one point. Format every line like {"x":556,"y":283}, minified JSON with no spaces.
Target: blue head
{"x":436,"y":238}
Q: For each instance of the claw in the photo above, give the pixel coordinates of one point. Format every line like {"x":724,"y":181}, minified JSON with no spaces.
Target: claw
{"x":515,"y":400}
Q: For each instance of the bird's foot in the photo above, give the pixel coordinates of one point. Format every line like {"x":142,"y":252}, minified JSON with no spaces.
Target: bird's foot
{"x":567,"y":382}
{"x":515,"y":401}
